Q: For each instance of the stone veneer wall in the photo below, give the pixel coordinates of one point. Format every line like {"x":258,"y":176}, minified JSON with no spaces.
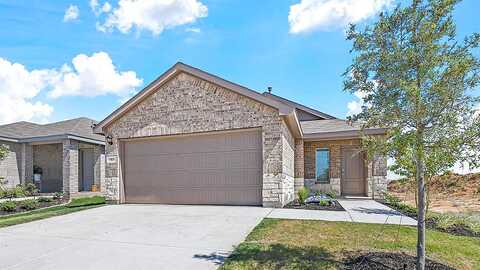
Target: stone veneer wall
{"x":11,"y":165}
{"x":187,"y":104}
{"x":70,"y":167}
{"x":376,"y":169}
{"x":49,"y":158}
{"x":288,"y":167}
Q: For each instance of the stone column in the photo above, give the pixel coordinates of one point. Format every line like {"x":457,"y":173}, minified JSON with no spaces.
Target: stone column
{"x":299,"y":166}
{"x":70,"y":167}
{"x":27,"y":164}
{"x":99,"y":167}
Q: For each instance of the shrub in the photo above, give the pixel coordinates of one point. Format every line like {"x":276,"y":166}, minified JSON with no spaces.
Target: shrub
{"x":302,"y":194}
{"x":324,"y":202}
{"x":45,"y":199}
{"x":8,"y":206}
{"x":29,"y":189}
{"x":331,"y":194}
{"x":58,"y":196}
{"x":16,"y":192}
{"x":29,"y":204}
{"x":77,"y":202}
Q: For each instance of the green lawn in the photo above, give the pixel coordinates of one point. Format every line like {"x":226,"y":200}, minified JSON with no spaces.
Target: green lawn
{"x":296,"y":244}
{"x":74,"y":206}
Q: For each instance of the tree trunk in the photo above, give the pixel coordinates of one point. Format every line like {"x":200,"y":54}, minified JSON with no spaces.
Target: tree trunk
{"x":420,"y":176}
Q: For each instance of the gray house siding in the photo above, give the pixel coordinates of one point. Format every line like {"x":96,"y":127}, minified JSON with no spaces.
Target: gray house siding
{"x":11,"y":165}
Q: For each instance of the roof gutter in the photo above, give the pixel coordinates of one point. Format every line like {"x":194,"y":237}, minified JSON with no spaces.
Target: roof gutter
{"x":53,"y":138}
{"x":349,"y":134}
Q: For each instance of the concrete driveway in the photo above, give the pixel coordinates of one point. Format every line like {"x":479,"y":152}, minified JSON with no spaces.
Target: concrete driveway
{"x":130,"y":237}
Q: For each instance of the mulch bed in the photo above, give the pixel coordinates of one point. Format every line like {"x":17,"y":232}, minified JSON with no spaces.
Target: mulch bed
{"x":431,"y":223}
{"x":334,"y":206}
{"x":40,"y":206}
{"x":389,"y":261}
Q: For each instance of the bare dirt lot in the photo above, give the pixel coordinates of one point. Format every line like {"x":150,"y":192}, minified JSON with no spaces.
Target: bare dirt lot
{"x":449,"y":193}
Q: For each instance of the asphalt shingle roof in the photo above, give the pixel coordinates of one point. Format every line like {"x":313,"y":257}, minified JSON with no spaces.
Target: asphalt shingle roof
{"x":326,"y":126}
{"x":81,"y":127}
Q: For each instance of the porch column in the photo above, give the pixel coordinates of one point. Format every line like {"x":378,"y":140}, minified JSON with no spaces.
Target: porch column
{"x":26,"y":163}
{"x":299,"y":165}
{"x":99,"y":167}
{"x":70,"y":167}
{"x":377,"y":180}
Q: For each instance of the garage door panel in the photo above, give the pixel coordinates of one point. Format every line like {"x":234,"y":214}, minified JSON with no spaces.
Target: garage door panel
{"x":222,"y":168}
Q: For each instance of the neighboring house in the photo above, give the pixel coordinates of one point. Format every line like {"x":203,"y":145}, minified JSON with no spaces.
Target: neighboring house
{"x":193,"y":138}
{"x":69,"y":154}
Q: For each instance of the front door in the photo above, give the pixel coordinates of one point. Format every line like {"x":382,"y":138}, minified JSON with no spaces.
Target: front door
{"x":353,"y":176}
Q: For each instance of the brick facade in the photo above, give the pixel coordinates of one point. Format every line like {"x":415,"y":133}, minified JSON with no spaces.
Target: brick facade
{"x":187,"y":104}
{"x":376,"y":170}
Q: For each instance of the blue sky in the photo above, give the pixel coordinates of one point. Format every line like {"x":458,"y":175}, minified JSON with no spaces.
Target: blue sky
{"x":250,"y":42}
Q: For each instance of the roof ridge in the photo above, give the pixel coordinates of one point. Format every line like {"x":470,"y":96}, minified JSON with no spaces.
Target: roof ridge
{"x":299,"y":106}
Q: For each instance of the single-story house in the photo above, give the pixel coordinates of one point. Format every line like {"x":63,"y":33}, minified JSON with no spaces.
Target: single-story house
{"x":191,"y":137}
{"x":66,"y":156}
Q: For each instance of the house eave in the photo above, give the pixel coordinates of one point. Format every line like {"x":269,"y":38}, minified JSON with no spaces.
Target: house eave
{"x":341,"y":135}
{"x":53,"y":139}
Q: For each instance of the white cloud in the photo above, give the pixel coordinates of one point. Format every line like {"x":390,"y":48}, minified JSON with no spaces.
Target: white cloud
{"x":95,"y":6}
{"x":18,"y":87}
{"x":71,"y":13}
{"x":88,"y":76}
{"x":93,"y":76}
{"x":151,"y":15}
{"x":355,"y":106}
{"x":193,"y":30}
{"x":310,"y":15}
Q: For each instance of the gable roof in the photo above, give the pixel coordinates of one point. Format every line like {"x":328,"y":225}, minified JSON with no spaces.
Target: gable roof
{"x":179,"y":67}
{"x":78,"y":128}
{"x":299,"y":106}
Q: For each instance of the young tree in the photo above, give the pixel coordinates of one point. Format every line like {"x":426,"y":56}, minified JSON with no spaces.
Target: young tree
{"x":418,"y":82}
{"x":3,"y":151}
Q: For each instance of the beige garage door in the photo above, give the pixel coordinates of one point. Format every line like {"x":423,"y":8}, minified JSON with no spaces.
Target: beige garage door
{"x":218,"y":168}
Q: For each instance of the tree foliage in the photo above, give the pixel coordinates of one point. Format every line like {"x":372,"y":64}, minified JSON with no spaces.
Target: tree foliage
{"x":416,"y":74}
{"x":3,"y":151}
{"x":418,"y":79}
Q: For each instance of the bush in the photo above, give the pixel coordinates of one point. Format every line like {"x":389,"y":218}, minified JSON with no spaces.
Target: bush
{"x":29,"y":189}
{"x":331,"y":194}
{"x":324,"y":203}
{"x":29,"y":204}
{"x":302,"y":194}
{"x":77,"y":202}
{"x":45,"y":199}
{"x":8,"y":206}
{"x":58,"y":196}
{"x":16,"y":192}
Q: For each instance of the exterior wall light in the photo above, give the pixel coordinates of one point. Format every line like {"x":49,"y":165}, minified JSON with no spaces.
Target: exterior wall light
{"x":109,"y":139}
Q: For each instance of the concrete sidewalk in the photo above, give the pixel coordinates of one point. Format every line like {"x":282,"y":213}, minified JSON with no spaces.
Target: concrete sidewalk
{"x":356,"y":210}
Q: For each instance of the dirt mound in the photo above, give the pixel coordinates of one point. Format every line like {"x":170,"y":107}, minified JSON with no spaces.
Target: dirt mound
{"x":389,"y":261}
{"x":449,"y":183}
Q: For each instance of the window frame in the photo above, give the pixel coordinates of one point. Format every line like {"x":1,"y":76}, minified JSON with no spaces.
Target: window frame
{"x":317,"y":180}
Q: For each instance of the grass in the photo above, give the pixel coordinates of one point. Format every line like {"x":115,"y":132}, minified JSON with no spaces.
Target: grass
{"x":75,"y":205}
{"x":85,"y":201}
{"x":301,"y":244}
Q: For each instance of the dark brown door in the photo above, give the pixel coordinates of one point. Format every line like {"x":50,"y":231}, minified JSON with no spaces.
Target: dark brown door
{"x":353,"y":176}
{"x":217,"y":168}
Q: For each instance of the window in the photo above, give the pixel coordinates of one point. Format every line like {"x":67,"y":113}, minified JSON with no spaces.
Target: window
{"x":322,"y":161}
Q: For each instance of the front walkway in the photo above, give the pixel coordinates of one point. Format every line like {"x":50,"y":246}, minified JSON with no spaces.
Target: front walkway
{"x":357,"y":210}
